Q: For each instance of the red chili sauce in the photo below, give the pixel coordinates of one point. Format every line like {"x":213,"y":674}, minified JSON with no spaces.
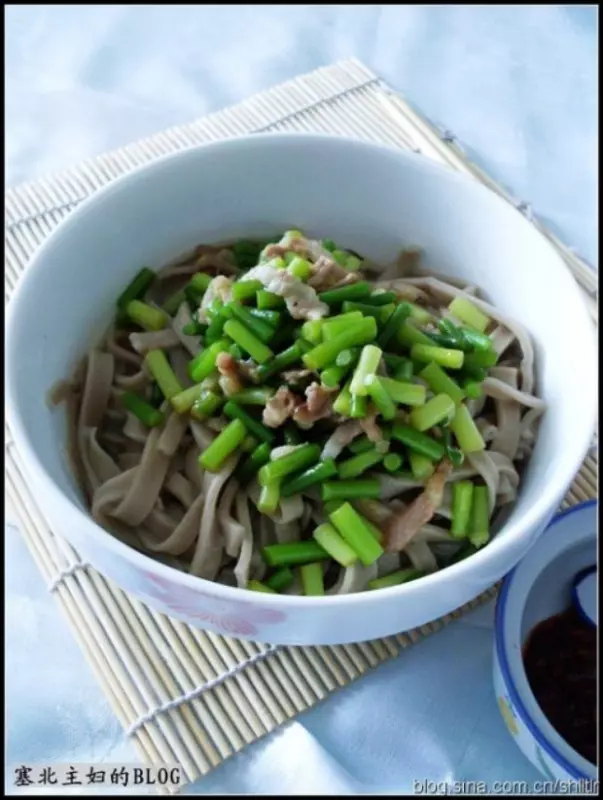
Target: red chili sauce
{"x":560,"y":659}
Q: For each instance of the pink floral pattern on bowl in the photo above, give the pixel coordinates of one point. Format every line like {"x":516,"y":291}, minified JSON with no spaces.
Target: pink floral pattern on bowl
{"x":232,"y":617}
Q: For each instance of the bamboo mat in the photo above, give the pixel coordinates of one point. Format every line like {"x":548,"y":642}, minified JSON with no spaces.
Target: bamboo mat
{"x":184,"y":695}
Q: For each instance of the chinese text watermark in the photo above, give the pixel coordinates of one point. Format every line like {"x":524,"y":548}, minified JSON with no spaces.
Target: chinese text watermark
{"x":97,"y":776}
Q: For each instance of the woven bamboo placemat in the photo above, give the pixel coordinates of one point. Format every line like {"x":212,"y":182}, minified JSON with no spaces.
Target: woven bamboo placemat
{"x":185,"y":695}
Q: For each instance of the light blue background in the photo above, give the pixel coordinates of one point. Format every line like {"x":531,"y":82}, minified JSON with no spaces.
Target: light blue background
{"x":518,"y":86}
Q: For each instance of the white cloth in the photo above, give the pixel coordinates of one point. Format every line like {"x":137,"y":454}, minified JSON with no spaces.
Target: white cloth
{"x":516,"y":84}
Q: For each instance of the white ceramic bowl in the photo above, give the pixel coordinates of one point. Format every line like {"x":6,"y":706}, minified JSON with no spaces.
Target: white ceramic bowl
{"x":538,"y":588}
{"x":373,"y":200}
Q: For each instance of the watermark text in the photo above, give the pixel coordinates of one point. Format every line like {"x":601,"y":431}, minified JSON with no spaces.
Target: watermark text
{"x":569,"y":787}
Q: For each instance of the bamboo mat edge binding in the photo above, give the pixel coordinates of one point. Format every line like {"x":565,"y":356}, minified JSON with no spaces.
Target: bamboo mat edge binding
{"x":181,"y":694}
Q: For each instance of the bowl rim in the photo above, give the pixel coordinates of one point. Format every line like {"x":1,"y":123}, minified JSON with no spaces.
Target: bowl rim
{"x":503,"y":660}
{"x":455,"y":572}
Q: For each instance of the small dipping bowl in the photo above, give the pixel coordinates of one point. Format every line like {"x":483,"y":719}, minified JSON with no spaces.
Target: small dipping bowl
{"x":541,"y":586}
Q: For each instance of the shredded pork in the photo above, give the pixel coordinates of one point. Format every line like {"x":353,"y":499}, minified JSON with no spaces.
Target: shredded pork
{"x":318,"y":405}
{"x":370,"y":427}
{"x":406,"y":523}
{"x":294,"y":376}
{"x":327,"y":273}
{"x":342,"y":436}
{"x":279,"y":408}
{"x":230,"y":375}
{"x":301,"y":300}
{"x":219,"y":287}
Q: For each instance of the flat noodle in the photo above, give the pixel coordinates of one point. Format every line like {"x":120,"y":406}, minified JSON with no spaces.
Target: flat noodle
{"x":476,"y":405}
{"x":188,"y":258}
{"x":196,"y":259}
{"x":104,"y":501}
{"x":233,"y":530}
{"x":501,"y":339}
{"x":202,"y":435}
{"x":121,"y":353}
{"x":527,"y":432}
{"x":289,"y":509}
{"x":249,"y":561}
{"x":97,"y":388}
{"x":60,"y":392}
{"x":98,"y":465}
{"x":181,"y":271}
{"x":179,"y":360}
{"x":208,"y":553}
{"x":95,"y":399}
{"x":134,"y":429}
{"x":184,"y":317}
{"x":185,"y":534}
{"x":494,"y":387}
{"x":191,"y":467}
{"x":506,"y":469}
{"x":133,"y":383}
{"x":487,"y":468}
{"x":434,"y":534}
{"x":308,"y":515}
{"x":216,"y":424}
{"x":181,"y":488}
{"x":267,"y":533}
{"x":508,"y":413}
{"x":420,"y":556}
{"x":287,"y":531}
{"x":391,"y":486}
{"x":146,"y":483}
{"x":388,"y":562}
{"x":116,"y":416}
{"x":403,"y":289}
{"x":379,"y":514}
{"x":154,"y":340}
{"x":159,"y":525}
{"x":487,"y":429}
{"x":354,"y":579}
{"x":528,"y":421}
{"x":406,"y":263}
{"x":173,"y":431}
{"x":128,"y":461}
{"x":218,"y":259}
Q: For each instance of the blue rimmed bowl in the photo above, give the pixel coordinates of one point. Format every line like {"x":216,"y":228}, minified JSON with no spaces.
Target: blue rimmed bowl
{"x":538,"y":588}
